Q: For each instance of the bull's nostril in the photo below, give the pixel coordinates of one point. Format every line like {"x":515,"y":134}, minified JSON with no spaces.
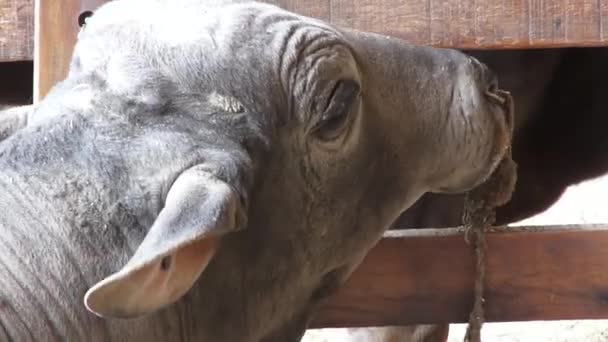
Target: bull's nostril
{"x":492,"y":85}
{"x":493,"y":92}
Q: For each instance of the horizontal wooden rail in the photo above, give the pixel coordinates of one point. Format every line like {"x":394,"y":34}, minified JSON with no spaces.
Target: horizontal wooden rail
{"x":470,"y":24}
{"x":426,"y":276}
{"x":461,"y":24}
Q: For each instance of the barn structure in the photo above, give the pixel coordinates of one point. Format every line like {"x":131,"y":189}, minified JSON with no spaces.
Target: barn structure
{"x":417,"y":275}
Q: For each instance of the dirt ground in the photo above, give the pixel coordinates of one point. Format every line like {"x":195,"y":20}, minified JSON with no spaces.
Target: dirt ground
{"x":582,"y":203}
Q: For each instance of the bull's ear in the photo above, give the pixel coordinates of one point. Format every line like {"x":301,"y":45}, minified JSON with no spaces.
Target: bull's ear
{"x":13,"y":119}
{"x":199,"y":209}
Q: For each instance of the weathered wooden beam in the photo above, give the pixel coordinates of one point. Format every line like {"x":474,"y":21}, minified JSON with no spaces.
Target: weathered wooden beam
{"x":426,"y":276}
{"x":16,"y":30}
{"x":469,"y":24}
{"x":464,"y":24}
{"x":475,"y":24}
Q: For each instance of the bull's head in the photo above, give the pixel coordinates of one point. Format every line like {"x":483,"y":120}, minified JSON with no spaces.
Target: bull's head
{"x":279,"y":147}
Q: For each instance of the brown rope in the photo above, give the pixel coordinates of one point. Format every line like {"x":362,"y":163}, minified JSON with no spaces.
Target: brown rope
{"x":478,"y":216}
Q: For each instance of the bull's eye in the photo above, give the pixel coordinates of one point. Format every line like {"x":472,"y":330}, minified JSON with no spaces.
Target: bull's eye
{"x":82,"y":18}
{"x":335,"y":118}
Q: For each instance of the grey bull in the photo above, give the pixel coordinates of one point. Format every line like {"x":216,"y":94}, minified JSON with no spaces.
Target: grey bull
{"x":209,"y":171}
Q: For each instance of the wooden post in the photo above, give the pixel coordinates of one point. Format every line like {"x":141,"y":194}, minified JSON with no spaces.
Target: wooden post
{"x":56,"y":28}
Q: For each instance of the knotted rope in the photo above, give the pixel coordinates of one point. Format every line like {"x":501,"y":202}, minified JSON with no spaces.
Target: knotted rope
{"x":478,"y":216}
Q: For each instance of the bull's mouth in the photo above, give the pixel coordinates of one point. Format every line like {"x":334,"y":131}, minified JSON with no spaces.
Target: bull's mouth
{"x":502,"y":109}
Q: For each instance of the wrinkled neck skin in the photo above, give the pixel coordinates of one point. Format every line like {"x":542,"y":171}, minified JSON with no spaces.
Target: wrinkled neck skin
{"x":65,"y":225}
{"x":70,"y":220}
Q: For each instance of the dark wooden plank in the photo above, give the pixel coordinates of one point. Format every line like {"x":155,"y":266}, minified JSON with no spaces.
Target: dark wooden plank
{"x":426,"y":276}
{"x":548,"y":22}
{"x":405,"y":19}
{"x":582,"y":19}
{"x":16,"y":30}
{"x":603,"y":18}
{"x":320,"y":9}
{"x":56,"y":31}
{"x":445,"y":23}
{"x":474,"y":24}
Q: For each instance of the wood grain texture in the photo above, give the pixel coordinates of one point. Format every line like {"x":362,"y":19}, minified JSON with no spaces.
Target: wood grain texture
{"x":475,"y":24}
{"x":445,"y":23}
{"x":320,"y":9}
{"x":466,"y":24}
{"x":16,"y":30}
{"x":426,"y":276}
{"x":55,"y":35}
